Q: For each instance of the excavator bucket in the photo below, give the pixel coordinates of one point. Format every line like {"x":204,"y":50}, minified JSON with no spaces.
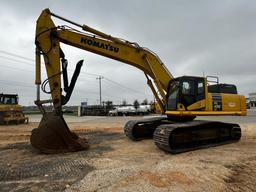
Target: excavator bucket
{"x":53,"y":136}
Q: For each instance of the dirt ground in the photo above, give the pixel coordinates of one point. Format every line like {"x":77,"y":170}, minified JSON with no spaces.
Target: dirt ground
{"x":114,"y":163}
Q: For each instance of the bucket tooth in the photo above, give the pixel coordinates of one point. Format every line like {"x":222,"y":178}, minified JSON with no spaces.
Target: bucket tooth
{"x":53,"y":136}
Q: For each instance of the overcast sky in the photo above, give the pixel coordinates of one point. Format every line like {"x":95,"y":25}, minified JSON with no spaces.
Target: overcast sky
{"x":191,"y":37}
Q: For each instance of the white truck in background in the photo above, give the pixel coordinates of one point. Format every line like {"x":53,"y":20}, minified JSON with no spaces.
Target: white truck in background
{"x":130,"y":110}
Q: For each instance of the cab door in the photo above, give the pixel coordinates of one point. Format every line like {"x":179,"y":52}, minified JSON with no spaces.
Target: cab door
{"x":192,"y":89}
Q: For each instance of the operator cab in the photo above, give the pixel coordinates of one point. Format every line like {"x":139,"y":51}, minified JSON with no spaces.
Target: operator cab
{"x":9,"y":99}
{"x":185,"y":90}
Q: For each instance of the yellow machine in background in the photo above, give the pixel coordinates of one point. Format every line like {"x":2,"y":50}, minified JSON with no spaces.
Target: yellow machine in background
{"x":181,"y":99}
{"x":10,"y":110}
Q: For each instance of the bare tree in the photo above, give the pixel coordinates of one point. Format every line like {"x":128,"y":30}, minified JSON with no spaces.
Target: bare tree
{"x":144,"y":102}
{"x":136,"y":104}
{"x":124,"y":103}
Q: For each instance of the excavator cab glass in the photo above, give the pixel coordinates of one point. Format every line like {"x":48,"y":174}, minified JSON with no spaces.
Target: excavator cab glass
{"x":185,"y":90}
{"x":173,"y":94}
{"x":9,"y":99}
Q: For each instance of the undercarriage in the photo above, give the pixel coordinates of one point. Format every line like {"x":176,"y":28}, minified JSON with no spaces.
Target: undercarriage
{"x":178,"y":137}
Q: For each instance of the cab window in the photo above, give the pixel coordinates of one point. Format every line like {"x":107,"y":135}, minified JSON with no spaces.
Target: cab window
{"x":200,"y":90}
{"x":187,"y":88}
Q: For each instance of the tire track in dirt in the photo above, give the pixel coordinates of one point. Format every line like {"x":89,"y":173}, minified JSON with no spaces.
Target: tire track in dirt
{"x":243,"y":175}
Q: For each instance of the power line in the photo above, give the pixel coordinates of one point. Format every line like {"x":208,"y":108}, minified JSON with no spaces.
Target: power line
{"x":18,"y":82}
{"x":83,"y":73}
{"x":15,"y":55}
{"x":19,"y":69}
{"x":18,"y":61}
{"x":122,"y":86}
{"x":14,"y":84}
{"x":30,"y":64}
{"x":92,"y":74}
{"x":96,"y":93}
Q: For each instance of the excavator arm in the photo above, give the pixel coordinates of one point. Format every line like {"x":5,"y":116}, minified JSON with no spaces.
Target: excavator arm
{"x":49,"y":37}
{"x":53,"y":134}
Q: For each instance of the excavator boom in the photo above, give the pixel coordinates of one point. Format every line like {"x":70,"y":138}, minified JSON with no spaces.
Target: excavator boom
{"x":49,"y":37}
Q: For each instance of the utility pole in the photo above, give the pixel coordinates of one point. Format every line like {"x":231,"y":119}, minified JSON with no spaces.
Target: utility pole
{"x":99,"y":78}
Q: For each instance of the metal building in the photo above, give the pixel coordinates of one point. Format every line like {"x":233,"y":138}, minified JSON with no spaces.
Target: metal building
{"x":252,"y":97}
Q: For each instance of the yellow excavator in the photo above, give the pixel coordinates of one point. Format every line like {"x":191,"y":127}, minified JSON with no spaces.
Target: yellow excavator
{"x":10,"y":110}
{"x":181,"y":99}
